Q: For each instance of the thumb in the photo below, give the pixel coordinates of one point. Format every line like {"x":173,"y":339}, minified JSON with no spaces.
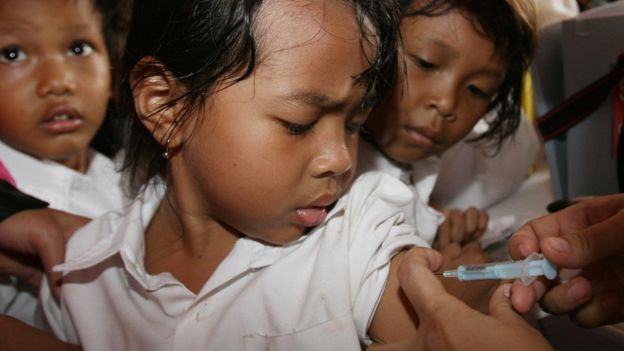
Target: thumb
{"x":417,"y":280}
{"x":500,"y":304}
{"x":580,"y":248}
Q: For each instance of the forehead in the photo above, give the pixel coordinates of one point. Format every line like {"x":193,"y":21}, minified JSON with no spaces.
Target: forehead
{"x":316,"y":44}
{"x":43,"y":15}
{"x":451,"y":33}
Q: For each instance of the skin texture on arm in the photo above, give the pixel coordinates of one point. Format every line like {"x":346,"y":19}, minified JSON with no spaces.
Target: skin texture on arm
{"x":395,"y":319}
{"x":585,"y":236}
{"x":448,"y":324}
{"x":16,"y":335}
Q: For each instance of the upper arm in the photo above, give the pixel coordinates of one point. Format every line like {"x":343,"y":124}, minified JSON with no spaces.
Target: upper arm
{"x":394,"y":319}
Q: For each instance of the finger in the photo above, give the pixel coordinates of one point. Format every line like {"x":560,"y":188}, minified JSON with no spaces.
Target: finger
{"x":417,"y":280}
{"x":484,"y":218}
{"x":524,"y":297}
{"x":500,"y":304}
{"x":580,"y":248}
{"x":603,"y":308}
{"x":523,"y":243}
{"x":458,"y":226}
{"x":471,"y":219}
{"x":443,"y":238}
{"x":567,"y":297}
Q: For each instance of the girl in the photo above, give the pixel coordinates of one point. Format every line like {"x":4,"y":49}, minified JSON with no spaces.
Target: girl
{"x":461,"y":59}
{"x":55,"y":93}
{"x":250,"y":112}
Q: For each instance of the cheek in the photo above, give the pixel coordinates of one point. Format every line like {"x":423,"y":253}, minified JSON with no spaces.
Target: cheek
{"x":96,"y":83}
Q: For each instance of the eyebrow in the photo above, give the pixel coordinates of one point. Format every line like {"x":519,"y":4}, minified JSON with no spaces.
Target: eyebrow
{"x":21,"y":27}
{"x":315,"y":99}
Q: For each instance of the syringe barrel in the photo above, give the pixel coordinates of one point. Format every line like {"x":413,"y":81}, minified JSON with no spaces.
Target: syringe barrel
{"x":489,"y":271}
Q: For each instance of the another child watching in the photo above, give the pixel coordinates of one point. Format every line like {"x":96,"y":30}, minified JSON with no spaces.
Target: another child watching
{"x":460,"y":60}
{"x":55,"y":63}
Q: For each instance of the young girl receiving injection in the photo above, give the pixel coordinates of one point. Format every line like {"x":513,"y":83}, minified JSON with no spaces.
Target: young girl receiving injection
{"x":55,"y":63}
{"x":250,"y":111}
{"x":460,"y":60}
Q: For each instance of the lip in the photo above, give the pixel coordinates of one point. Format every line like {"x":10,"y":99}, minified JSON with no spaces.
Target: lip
{"x":422,"y":136}
{"x":60,"y":119}
{"x":315,"y":213}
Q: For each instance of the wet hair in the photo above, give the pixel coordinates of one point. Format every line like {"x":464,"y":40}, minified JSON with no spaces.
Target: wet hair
{"x":511,"y":26}
{"x":205,"y":45}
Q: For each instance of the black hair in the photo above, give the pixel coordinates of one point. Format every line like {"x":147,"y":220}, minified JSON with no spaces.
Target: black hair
{"x":115,"y":15}
{"x":205,"y":44}
{"x":510,"y":24}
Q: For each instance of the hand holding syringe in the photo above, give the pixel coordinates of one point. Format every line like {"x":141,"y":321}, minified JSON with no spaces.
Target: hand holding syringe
{"x":526,"y":270}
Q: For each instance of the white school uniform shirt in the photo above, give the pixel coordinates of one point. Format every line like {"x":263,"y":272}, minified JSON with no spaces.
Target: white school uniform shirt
{"x":419,"y":180}
{"x":90,"y":195}
{"x":317,"y":293}
{"x":469,"y":178}
{"x":462,"y":176}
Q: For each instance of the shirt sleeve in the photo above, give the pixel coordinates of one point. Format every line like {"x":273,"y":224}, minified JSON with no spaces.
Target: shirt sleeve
{"x":378,"y":229}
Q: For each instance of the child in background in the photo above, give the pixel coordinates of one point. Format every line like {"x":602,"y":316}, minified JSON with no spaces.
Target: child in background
{"x":460,"y":60}
{"x":250,"y":111}
{"x":55,"y":63}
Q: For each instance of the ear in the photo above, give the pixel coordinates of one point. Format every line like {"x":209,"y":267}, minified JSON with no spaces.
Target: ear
{"x":156,"y":94}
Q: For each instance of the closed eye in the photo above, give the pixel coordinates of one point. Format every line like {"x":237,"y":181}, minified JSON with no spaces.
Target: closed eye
{"x":298,"y":129}
{"x":12,"y":54}
{"x":475,"y":91}
{"x":353,"y":127}
{"x":424,"y":64}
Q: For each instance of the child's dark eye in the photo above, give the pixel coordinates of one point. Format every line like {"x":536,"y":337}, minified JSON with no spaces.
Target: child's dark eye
{"x":12,"y":54}
{"x":80,"y":49}
{"x":479,"y":93}
{"x":424,"y":64}
{"x":353,"y":127}
{"x":298,"y":129}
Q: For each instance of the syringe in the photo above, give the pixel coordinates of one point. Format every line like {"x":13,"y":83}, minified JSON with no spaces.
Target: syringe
{"x":526,"y":270}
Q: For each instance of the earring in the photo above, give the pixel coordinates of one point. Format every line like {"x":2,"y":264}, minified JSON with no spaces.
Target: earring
{"x":165,"y":154}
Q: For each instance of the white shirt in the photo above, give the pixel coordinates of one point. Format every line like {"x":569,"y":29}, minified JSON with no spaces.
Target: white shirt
{"x":420,"y":180}
{"x":318,"y":293}
{"x":462,"y":177}
{"x":469,"y":178}
{"x":90,"y":195}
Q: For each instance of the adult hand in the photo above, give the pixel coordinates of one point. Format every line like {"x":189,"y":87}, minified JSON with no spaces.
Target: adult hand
{"x":586,"y":236}
{"x":475,"y":294}
{"x":16,"y":335}
{"x":461,"y":226}
{"x":33,"y":241}
{"x":448,"y":324}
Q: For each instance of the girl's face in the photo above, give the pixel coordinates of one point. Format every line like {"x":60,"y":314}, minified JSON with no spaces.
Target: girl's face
{"x":274,"y":151}
{"x":56,"y":77}
{"x":449,"y":75}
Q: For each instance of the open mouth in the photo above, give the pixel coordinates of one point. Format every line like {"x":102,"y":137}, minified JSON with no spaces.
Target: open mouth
{"x":64,"y":121}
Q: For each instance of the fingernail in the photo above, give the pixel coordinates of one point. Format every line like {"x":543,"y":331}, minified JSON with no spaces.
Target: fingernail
{"x":577,"y":293}
{"x":524,"y":250}
{"x":558,"y":244}
{"x":507,"y":290}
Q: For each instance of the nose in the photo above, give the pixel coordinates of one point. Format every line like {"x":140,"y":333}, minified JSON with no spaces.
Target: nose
{"x":443,"y":98}
{"x":333,"y":158}
{"x":55,"y":77}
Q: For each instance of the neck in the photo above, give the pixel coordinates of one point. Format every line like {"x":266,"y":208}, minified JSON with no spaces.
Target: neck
{"x":184,"y":241}
{"x":80,"y":162}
